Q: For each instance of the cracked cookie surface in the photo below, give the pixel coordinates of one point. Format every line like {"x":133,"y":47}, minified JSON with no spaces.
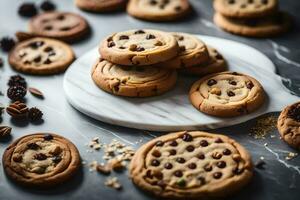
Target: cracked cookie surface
{"x":41,"y":160}
{"x":64,"y":26}
{"x":289,"y":125}
{"x":227,"y":94}
{"x":139,"y":47}
{"x":133,"y":81}
{"x":216,"y":63}
{"x":41,"y":56}
{"x":100,"y":5}
{"x":192,"y":51}
{"x":245,"y":8}
{"x":158,"y":10}
{"x":191,"y":165}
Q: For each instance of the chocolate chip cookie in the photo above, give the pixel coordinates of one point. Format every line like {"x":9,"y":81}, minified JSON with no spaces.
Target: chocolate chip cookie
{"x":261,"y":27}
{"x":245,"y":8}
{"x":41,"y":56}
{"x":158,"y":10}
{"x":288,"y":125}
{"x":191,"y":165}
{"x":133,"y":81}
{"x":192,"y":51}
{"x":227,"y":94}
{"x":216,"y":63}
{"x":41,"y":160}
{"x":139,"y":47}
{"x":69,"y":27}
{"x":100,"y":5}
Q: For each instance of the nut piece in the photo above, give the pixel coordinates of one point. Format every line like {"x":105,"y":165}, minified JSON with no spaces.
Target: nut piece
{"x":215,"y":91}
{"x":17,"y":110}
{"x":113,"y":182}
{"x":5,"y":131}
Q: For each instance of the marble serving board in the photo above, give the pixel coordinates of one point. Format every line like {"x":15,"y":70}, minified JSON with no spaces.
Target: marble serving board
{"x":173,"y":111}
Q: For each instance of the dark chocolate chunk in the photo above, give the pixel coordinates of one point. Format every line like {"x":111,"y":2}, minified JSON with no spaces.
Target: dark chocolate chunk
{"x":187,"y":137}
{"x":150,"y":36}
{"x":218,"y":140}
{"x":111,"y":44}
{"x":294,"y":113}
{"x":201,"y":156}
{"x":180,"y":160}
{"x":211,"y":82}
{"x":203,"y":143}
{"x":260,"y":164}
{"x":208,"y":168}
{"x":192,"y":166}
{"x":156,"y":153}
{"x":173,"y":143}
{"x":226,"y":152}
{"x":159,"y":143}
{"x":230,"y":93}
{"x":217,"y":175}
{"x":155,"y":163}
{"x":40,"y":156}
{"x":123,"y":37}
{"x":56,"y":159}
{"x":33,"y":146}
{"x":232,"y":82}
{"x":190,"y":148}
{"x":221,"y":164}
{"x":172,"y":152}
{"x":178,"y":173}
{"x":139,"y":32}
{"x":48,"y":137}
{"x":168,"y":165}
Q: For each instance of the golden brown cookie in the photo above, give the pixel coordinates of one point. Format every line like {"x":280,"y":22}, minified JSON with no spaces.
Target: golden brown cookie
{"x":245,"y":8}
{"x":227,"y":94}
{"x":192,"y":51}
{"x":41,"y":160}
{"x":216,"y":63}
{"x":139,"y":47}
{"x":65,"y":26}
{"x":100,"y":5}
{"x":261,"y":27}
{"x":191,"y":165}
{"x":158,"y":10}
{"x":133,"y":81}
{"x":41,"y":56}
{"x":289,"y":125}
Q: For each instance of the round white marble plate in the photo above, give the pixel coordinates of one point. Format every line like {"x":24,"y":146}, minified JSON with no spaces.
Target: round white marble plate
{"x":172,"y":111}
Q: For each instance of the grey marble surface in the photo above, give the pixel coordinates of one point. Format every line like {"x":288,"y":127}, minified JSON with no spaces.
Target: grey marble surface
{"x":280,"y":179}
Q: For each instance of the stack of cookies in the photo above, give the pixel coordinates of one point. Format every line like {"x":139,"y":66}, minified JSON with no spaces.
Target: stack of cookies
{"x":253,"y":18}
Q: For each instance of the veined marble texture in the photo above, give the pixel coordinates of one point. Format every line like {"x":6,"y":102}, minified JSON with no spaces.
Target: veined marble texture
{"x":173,"y":111}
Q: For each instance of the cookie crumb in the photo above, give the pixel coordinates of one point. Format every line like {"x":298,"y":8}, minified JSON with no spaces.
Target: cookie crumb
{"x":113,"y":182}
{"x":263,"y":127}
{"x":291,"y":155}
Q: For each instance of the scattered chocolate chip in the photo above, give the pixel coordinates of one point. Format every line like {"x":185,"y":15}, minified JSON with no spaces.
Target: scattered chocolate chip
{"x":208,"y":168}
{"x":250,"y":1}
{"x":260,"y":164}
{"x":123,"y":37}
{"x":121,"y":47}
{"x":187,"y":137}
{"x":60,"y":17}
{"x":66,"y":28}
{"x":178,"y":8}
{"x":33,"y":146}
{"x":218,"y":140}
{"x":237,"y":171}
{"x":36,"y":44}
{"x":150,"y":36}
{"x":47,"y":61}
{"x":173,"y":143}
{"x":190,"y":148}
{"x":168,"y":165}
{"x":40,"y":156}
{"x":181,"y":48}
{"x":231,"y":1}
{"x":37,"y":59}
{"x":158,"y":43}
{"x":243,"y":6}
{"x":111,"y":44}
{"x":180,"y":160}
{"x":221,"y":164}
{"x":249,"y":85}
{"x":217,"y":175}
{"x":158,"y":174}
{"x":153,"y":2}
{"x":48,"y":137}
{"x":264,"y":1}
{"x":17,"y":80}
{"x":294,"y":112}
{"x":159,"y":143}
{"x":7,"y":43}
{"x":226,"y":152}
{"x":201,"y":180}
{"x":47,"y":6}
{"x":172,"y":152}
{"x":178,"y":173}
{"x":48,"y":49}
{"x":201,"y":156}
{"x":156,"y":153}
{"x":48,"y":28}
{"x":211,"y":82}
{"x":27,"y":10}
{"x":192,"y":166}
{"x":155,"y":163}
{"x":180,"y":38}
{"x":139,"y":49}
{"x":149,"y":174}
{"x":230,"y":93}
{"x":232,"y":82}
{"x":203,"y":143}
{"x":139,"y":32}
{"x":56,"y":159}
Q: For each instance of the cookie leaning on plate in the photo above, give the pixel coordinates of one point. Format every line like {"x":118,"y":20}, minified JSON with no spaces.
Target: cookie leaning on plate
{"x":245,"y":8}
{"x":41,"y":56}
{"x":191,"y":165}
{"x":262,"y":27}
{"x":158,"y":10}
{"x":41,"y":160}
{"x":65,"y":26}
{"x":100,"y":5}
{"x":192,"y":51}
{"x":288,"y":125}
{"x":216,"y":63}
{"x":133,"y":81}
{"x":139,"y":47}
{"x":227,"y":94}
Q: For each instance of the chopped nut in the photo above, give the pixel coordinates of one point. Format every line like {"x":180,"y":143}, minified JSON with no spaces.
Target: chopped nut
{"x":215,"y":91}
{"x":104,"y":169}
{"x":291,"y":155}
{"x":113,"y":183}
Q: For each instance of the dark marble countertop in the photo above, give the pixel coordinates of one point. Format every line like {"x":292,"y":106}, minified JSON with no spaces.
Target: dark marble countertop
{"x":279,"y":180}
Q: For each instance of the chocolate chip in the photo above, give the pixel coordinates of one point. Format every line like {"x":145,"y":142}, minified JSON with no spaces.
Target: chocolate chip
{"x":66,"y":28}
{"x":156,"y":153}
{"x":178,"y":173}
{"x":123,"y":37}
{"x":150,"y":36}
{"x":56,"y":159}
{"x":17,"y":158}
{"x":249,"y":85}
{"x":192,"y":166}
{"x":48,"y":49}
{"x":187,"y":137}
{"x":180,"y":160}
{"x":221,"y":164}
{"x":235,"y":73}
{"x":35,"y":45}
{"x":294,"y":112}
{"x":47,"y":61}
{"x":48,"y":137}
{"x":33,"y":146}
{"x":157,"y":174}
{"x":216,"y":155}
{"x":218,"y":140}
{"x":181,"y":38}
{"x":230,"y":93}
{"x":226,"y":152}
{"x":111,"y":44}
{"x":264,"y":1}
{"x":155,"y":163}
{"x":149,"y":174}
{"x":168,"y":165}
{"x":40,"y":156}
{"x":122,"y":47}
{"x":139,"y":49}
{"x":201,"y":156}
{"x":181,"y":48}
{"x":217,"y":175}
{"x":158,"y":43}
{"x":48,"y":28}
{"x":211,"y":82}
{"x":190,"y":148}
{"x":172,"y":152}
{"x":231,"y":82}
{"x":153,"y":2}
{"x":231,"y":1}
{"x":250,"y":1}
{"x":159,"y":143}
{"x":139,"y":32}
{"x":237,"y":171}
{"x":60,"y":17}
{"x":201,"y":180}
{"x":203,"y":143}
{"x":208,"y":168}
{"x":37,"y":59}
{"x":51,"y":53}
{"x":173,"y":143}
{"x":178,"y":8}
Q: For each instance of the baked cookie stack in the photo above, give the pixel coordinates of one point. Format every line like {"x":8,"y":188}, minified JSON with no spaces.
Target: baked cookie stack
{"x":253,"y":18}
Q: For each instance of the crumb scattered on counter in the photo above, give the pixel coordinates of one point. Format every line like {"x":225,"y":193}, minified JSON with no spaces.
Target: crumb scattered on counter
{"x":263,"y":127}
